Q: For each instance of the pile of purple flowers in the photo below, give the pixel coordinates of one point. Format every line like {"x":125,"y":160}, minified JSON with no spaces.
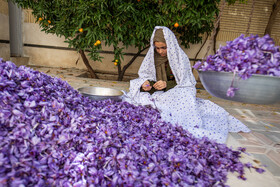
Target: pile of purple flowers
{"x":245,"y":56}
{"x":50,"y":135}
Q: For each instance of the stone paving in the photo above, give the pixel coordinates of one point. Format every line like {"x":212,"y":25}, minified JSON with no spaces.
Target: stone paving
{"x":262,"y":144}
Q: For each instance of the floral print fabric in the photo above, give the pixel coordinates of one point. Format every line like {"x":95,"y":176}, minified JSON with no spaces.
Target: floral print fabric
{"x":180,"y":105}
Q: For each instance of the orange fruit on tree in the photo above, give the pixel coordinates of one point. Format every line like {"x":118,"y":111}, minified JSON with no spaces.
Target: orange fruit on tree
{"x":176,"y":25}
{"x":115,"y":63}
{"x":81,"y":29}
{"x":95,"y":44}
{"x":116,"y":60}
{"x":138,"y":0}
{"x":40,"y":19}
{"x":98,"y":42}
{"x":49,"y":21}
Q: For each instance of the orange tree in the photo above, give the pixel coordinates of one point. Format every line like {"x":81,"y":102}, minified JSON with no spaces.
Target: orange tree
{"x":86,"y":24}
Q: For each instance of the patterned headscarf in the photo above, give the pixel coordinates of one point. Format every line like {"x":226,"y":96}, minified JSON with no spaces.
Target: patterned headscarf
{"x":177,"y":58}
{"x":159,"y":36}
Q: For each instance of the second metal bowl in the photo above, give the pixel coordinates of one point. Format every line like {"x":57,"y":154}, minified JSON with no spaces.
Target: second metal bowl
{"x":258,"y":89}
{"x":101,"y":93}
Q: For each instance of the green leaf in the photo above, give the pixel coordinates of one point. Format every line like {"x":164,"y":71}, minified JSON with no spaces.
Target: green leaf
{"x":123,"y":23}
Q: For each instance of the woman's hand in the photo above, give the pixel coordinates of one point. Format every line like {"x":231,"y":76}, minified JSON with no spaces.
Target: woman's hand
{"x":160,"y":85}
{"x":146,"y":86}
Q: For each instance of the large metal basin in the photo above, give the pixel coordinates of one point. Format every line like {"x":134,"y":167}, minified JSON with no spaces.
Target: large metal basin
{"x":101,"y":93}
{"x":258,"y":89}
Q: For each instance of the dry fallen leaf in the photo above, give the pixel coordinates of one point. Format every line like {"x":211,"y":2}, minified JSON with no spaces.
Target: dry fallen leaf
{"x":258,"y":162}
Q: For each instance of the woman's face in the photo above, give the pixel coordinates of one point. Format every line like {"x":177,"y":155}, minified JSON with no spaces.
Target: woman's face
{"x":161,"y":48}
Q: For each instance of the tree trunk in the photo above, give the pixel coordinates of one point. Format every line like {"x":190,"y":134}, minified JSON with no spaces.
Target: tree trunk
{"x":201,"y":47}
{"x":86,"y":62}
{"x":121,"y":73}
{"x":275,"y":10}
{"x":118,"y":65}
{"x":215,"y":38}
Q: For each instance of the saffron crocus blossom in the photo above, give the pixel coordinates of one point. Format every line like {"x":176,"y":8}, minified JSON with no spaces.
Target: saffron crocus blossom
{"x":245,"y":56}
{"x":50,"y":135}
{"x":231,"y":91}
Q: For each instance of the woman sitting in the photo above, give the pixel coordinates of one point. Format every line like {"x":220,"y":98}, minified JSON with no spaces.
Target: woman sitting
{"x":166,"y":83}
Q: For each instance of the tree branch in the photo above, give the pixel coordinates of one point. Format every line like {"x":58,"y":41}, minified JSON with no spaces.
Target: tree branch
{"x":86,"y":62}
{"x":273,"y":15}
{"x":201,"y":47}
{"x":215,"y":38}
{"x":130,"y":62}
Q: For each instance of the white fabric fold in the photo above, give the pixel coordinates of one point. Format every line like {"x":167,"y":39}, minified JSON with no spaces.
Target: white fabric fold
{"x":179,"y":105}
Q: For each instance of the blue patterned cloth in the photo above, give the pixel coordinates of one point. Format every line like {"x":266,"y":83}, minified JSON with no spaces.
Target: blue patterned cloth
{"x":179,"y":105}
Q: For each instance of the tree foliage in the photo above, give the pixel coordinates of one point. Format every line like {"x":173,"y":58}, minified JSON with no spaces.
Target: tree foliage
{"x":122,"y":23}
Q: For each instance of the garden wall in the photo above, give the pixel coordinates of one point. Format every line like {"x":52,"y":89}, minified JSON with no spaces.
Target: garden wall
{"x":50,"y":50}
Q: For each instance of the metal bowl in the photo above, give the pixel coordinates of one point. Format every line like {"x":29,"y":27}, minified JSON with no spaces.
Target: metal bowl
{"x":101,"y":93}
{"x":258,"y":89}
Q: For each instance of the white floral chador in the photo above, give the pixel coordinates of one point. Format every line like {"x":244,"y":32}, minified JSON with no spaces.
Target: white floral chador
{"x":179,"y":104}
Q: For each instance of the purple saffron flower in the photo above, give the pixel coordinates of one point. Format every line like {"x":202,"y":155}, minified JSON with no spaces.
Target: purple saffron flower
{"x":29,"y":104}
{"x":231,"y":91}
{"x":260,"y":170}
{"x":70,"y":140}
